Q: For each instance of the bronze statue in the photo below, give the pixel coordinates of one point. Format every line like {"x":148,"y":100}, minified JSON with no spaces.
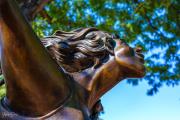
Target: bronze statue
{"x":65,"y":79}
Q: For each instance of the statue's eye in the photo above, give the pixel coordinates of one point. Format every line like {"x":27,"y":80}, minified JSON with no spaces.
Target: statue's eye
{"x":112,"y":43}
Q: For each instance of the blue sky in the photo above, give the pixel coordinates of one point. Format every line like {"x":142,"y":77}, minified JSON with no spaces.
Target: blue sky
{"x":127,"y":102}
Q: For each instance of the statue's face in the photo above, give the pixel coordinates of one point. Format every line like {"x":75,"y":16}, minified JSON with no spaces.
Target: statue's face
{"x":92,"y":50}
{"x":129,"y":59}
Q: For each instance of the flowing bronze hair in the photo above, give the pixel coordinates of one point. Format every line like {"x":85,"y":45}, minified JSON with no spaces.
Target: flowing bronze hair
{"x":79,"y":49}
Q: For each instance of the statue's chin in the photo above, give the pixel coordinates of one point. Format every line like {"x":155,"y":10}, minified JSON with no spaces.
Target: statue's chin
{"x":136,"y":72}
{"x":139,"y":73}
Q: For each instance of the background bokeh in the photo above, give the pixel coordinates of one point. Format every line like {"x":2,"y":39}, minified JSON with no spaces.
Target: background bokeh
{"x":152,"y":24}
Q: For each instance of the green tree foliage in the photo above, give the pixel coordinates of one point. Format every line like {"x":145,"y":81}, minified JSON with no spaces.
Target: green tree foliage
{"x":2,"y":88}
{"x":152,"y":24}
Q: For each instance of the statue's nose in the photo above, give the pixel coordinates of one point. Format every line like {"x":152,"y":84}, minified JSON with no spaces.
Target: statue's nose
{"x":138,"y":49}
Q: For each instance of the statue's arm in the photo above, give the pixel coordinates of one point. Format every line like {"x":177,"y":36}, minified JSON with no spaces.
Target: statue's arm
{"x":27,"y":67}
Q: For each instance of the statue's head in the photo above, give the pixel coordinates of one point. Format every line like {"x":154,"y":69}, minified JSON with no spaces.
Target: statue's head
{"x":95,"y":59}
{"x":86,"y":48}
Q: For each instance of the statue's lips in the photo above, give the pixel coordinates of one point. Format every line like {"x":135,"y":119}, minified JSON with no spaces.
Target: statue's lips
{"x":141,"y":57}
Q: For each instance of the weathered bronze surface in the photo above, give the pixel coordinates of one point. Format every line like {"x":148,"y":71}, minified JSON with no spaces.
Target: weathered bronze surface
{"x":65,"y":79}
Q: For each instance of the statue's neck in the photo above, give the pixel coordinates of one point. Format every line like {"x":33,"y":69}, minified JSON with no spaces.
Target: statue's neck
{"x":35,"y":85}
{"x":98,"y":81}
